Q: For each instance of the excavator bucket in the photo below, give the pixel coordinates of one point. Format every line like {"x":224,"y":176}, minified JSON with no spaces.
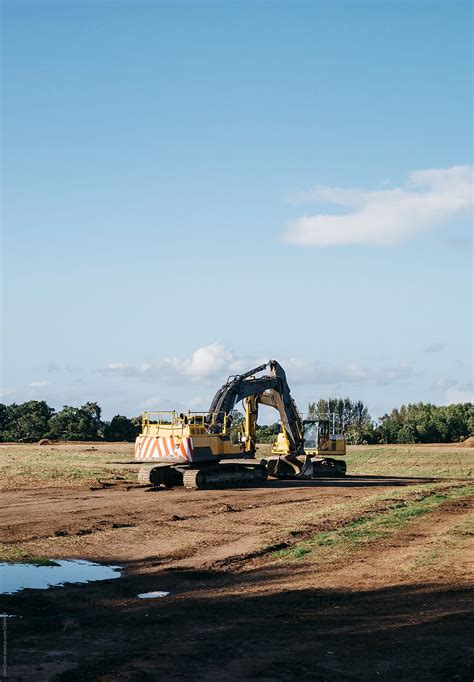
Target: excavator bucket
{"x":289,"y":466}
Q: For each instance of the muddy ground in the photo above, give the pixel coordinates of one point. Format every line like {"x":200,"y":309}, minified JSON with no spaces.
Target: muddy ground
{"x":396,"y":609}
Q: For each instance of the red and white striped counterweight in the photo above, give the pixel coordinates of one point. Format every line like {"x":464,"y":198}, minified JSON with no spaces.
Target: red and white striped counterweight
{"x":164,"y":449}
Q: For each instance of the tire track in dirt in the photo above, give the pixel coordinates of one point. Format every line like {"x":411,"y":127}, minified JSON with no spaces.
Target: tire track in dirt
{"x":166,"y":525}
{"x":391,"y":563}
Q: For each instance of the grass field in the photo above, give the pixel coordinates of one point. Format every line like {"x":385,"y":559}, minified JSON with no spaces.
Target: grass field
{"x":405,"y":460}
{"x":411,"y":460}
{"x":70,"y":464}
{"x":64,"y":464}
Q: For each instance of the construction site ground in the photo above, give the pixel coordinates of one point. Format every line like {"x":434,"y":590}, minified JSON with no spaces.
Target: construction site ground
{"x":361,"y":578}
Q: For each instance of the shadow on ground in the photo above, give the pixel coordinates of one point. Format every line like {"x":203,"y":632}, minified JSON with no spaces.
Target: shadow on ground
{"x":350,"y":482}
{"x":221,"y":626}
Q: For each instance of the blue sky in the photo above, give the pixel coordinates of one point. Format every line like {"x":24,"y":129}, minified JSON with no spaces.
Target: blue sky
{"x":190,"y":188}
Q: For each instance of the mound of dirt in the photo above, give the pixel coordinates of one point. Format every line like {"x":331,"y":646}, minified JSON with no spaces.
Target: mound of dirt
{"x":468,"y":443}
{"x":45,"y":441}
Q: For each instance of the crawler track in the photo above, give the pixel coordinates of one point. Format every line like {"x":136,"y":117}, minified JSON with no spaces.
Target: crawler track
{"x":225,"y":476}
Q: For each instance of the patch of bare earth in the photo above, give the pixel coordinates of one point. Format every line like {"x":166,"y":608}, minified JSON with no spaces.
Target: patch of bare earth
{"x":397,"y":609}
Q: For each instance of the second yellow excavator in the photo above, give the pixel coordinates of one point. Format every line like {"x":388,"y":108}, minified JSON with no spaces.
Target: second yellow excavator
{"x":304,"y":448}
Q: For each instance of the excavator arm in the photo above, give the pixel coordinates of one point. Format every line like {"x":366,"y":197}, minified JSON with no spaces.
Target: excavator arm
{"x":270,"y":389}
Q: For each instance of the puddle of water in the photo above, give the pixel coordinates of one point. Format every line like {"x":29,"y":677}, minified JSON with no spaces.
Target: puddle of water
{"x":153,"y":595}
{"x":15,"y":577}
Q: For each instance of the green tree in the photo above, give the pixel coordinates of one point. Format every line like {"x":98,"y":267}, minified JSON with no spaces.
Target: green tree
{"x":25,"y":423}
{"x":121,"y":428}
{"x":4,"y":420}
{"x":77,"y":423}
{"x":267,"y":432}
{"x":236,"y":425}
{"x":351,"y":418}
{"x":427,"y":423}
{"x":407,"y":434}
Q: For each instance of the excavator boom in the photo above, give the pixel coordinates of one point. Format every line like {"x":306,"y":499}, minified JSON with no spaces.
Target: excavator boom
{"x":271,"y":389}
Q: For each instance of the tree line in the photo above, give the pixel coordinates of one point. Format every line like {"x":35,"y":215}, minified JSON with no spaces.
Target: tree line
{"x":413,"y":423}
{"x":34,"y":420}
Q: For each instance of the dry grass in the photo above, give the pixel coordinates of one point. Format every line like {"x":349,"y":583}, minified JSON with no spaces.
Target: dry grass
{"x":411,"y":460}
{"x":441,"y":550}
{"x":65,"y":464}
{"x":450,"y":461}
{"x":71,"y":464}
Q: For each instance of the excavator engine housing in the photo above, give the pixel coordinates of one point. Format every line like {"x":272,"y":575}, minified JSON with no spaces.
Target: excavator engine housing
{"x":185,"y":449}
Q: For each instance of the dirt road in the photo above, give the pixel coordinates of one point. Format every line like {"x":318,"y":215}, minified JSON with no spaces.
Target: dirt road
{"x":133,"y":524}
{"x":237,"y":609}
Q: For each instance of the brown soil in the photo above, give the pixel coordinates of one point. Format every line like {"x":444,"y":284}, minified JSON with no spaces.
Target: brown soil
{"x":468,"y":443}
{"x":235,"y":612}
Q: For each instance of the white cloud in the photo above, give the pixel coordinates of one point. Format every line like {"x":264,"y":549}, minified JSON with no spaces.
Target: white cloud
{"x":216,"y":362}
{"x":384,"y":216}
{"x":206,"y":362}
{"x":38,"y":384}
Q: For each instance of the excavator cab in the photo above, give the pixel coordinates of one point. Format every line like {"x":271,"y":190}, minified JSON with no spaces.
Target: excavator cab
{"x":310,"y":434}
{"x":319,"y":442}
{"x":319,"y":439}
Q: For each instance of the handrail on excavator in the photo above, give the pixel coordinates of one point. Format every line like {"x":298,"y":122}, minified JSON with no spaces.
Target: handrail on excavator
{"x":172,"y":418}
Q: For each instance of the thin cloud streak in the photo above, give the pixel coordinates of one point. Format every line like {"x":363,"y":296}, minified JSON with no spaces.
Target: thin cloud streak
{"x":434,"y":347}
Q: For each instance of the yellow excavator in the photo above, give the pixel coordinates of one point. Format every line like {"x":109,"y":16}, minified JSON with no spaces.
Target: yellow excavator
{"x":195,"y":449}
{"x":321,"y":445}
